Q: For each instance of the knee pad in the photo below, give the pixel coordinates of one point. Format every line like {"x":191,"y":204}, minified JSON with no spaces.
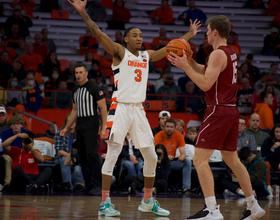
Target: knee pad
{"x":150,"y":161}
{"x":113,"y":152}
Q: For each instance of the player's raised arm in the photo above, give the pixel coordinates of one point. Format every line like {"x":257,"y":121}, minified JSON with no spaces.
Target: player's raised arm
{"x":111,"y":47}
{"x":159,"y":54}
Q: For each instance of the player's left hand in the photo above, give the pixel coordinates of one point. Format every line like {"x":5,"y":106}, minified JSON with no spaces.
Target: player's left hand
{"x":194,"y":26}
{"x":180,"y":62}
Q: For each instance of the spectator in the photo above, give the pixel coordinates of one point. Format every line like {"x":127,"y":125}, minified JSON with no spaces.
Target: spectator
{"x":97,"y":11}
{"x":253,"y":71}
{"x":271,"y":44}
{"x":163,"y":14}
{"x":245,"y":68}
{"x":24,"y":22}
{"x":161,"y":40}
{"x":5,"y":68}
{"x":230,"y":42}
{"x":105,"y":64}
{"x":275,"y":76}
{"x":19,"y":110}
{"x":119,"y":38}
{"x":31,"y":60}
{"x":51,"y":63}
{"x":204,"y":50}
{"x":162,"y":172}
{"x":39,"y":47}
{"x":255,"y":98}
{"x":17,"y":70}
{"x":10,"y":50}
{"x":245,"y":139}
{"x":16,"y":124}
{"x":191,"y":136}
{"x":53,"y":82}
{"x":25,"y":5}
{"x":255,"y":4}
{"x":50,"y":133}
{"x":273,"y":107}
{"x":256,"y":168}
{"x":14,"y":96}
{"x":26,"y":176}
{"x":161,"y":81}
{"x":260,"y":84}
{"x":160,"y":65}
{"x":121,"y":16}
{"x":263,"y":110}
{"x":173,"y":140}
{"x":269,"y":82}
{"x":235,"y":39}
{"x":94,"y":71}
{"x":169,"y":88}
{"x":13,"y":36}
{"x":131,"y":158}
{"x":271,"y":151}
{"x":88,"y":43}
{"x":245,"y":93}
{"x":194,"y":104}
{"x":276,"y":21}
{"x":163,"y":116}
{"x":2,"y":29}
{"x":68,"y":75}
{"x":192,"y":13}
{"x":273,"y":8}
{"x":63,"y":147}
{"x":253,"y":129}
{"x":102,"y":85}
{"x":3,"y":122}
{"x":21,"y":47}
{"x":180,"y":127}
{"x":45,"y":40}
{"x":66,"y":6}
{"x":63,"y":97}
{"x":89,"y":57}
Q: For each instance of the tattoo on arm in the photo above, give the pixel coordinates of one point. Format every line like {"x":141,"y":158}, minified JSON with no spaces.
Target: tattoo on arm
{"x":90,"y":23}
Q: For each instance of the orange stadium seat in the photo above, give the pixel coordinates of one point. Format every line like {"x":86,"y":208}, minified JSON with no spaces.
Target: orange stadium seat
{"x":60,"y":14}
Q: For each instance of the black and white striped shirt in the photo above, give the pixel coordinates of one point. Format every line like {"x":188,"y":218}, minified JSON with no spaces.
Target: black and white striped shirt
{"x":85,"y":97}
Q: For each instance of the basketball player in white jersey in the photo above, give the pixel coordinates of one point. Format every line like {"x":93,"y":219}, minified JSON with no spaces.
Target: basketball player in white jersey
{"x":126,"y":114}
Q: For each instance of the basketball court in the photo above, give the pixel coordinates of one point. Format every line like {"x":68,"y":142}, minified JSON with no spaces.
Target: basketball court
{"x":68,"y":206}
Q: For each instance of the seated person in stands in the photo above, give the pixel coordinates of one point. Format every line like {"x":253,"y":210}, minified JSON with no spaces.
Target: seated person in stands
{"x":88,"y":43}
{"x":45,"y":40}
{"x":119,"y":38}
{"x":271,"y":44}
{"x":26,"y":5}
{"x":51,"y":63}
{"x":68,"y":75}
{"x":26,"y":176}
{"x":53,"y":82}
{"x":21,"y":47}
{"x":245,"y":139}
{"x":271,"y":151}
{"x":89,"y":57}
{"x":50,"y":133}
{"x":161,"y":40}
{"x":173,"y":140}
{"x":31,"y":60}
{"x":63,"y":146}
{"x":162,"y":172}
{"x":180,"y":127}
{"x":260,"y":84}
{"x":6,"y":47}
{"x":169,"y":88}
{"x":191,"y":135}
{"x":39,"y":47}
{"x":161,"y":81}
{"x":131,"y":158}
{"x":14,"y":95}
{"x":19,"y":110}
{"x":121,"y":16}
{"x":256,"y":168}
{"x":194,"y":104}
{"x":245,"y":93}
{"x":95,"y":71}
{"x":163,"y":116}
{"x":63,"y":98}
{"x":97,"y":11}
{"x":5,"y":68}
{"x":3,"y":122}
{"x":273,"y":107}
{"x":105,"y":64}
{"x":163,"y":14}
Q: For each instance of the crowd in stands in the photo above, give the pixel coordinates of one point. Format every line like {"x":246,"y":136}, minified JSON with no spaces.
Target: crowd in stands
{"x":29,"y":65}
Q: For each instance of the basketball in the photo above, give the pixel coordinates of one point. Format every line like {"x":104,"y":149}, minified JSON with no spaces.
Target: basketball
{"x":177,"y":46}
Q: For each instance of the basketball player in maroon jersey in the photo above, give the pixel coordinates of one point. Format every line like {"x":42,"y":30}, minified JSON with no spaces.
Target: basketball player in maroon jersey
{"x":219,"y":128}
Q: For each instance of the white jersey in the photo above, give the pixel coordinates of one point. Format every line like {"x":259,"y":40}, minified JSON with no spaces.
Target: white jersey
{"x":131,"y":77}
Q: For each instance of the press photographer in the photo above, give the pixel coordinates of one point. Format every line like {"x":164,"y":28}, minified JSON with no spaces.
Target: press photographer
{"x":26,"y":176}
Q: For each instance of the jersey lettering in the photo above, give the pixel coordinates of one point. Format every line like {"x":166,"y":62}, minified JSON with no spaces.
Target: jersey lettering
{"x":137,"y":64}
{"x":234,"y":78}
{"x":138,"y":77}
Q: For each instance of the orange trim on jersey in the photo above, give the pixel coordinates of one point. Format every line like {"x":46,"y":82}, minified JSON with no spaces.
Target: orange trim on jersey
{"x":137,"y":64}
{"x":116,"y":83}
{"x":109,"y":124}
{"x":113,"y":106}
{"x":114,"y":99}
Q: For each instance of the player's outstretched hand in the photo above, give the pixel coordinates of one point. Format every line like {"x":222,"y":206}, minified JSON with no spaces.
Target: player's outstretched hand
{"x":194,"y":26}
{"x":78,"y":4}
{"x":180,"y":62}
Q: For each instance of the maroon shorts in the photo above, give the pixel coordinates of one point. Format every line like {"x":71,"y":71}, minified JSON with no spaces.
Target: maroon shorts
{"x":219,"y":128}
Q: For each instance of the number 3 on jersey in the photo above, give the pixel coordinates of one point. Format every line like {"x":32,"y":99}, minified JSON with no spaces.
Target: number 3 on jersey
{"x":234,"y":78}
{"x":138,"y":77}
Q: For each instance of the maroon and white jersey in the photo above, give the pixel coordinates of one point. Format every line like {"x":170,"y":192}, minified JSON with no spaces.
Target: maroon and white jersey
{"x":224,"y":90}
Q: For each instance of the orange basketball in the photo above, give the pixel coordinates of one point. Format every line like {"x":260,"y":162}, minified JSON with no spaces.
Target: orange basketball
{"x":177,"y":46}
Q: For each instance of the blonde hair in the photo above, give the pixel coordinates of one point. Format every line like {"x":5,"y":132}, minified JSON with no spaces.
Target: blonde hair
{"x":181,"y":122}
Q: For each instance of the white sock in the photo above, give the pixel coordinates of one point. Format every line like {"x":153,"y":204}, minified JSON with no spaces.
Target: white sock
{"x":241,"y":193}
{"x":250,"y":200}
{"x":211,"y":203}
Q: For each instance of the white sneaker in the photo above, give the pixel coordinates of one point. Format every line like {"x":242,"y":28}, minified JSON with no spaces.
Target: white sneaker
{"x":270,"y":190}
{"x":228,"y":193}
{"x":207,"y":214}
{"x":253,"y":213}
{"x":151,"y":205}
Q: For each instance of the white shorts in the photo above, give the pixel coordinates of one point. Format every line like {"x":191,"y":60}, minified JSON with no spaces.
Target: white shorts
{"x":123,"y":118}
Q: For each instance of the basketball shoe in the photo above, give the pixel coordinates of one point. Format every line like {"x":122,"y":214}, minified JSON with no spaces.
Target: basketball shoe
{"x":106,"y":208}
{"x":207,"y":214}
{"x":253,"y":213}
{"x":151,"y":205}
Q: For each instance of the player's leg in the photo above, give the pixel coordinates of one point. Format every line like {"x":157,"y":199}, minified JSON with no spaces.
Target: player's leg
{"x":253,"y":210}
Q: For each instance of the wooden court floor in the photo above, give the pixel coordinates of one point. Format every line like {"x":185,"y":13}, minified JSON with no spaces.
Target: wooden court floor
{"x":45,"y":207}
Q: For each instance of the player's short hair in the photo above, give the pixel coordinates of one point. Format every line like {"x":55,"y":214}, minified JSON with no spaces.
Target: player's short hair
{"x":30,"y":134}
{"x":241,"y":117}
{"x":181,"y":122}
{"x":221,"y":24}
{"x":170,"y":120}
{"x":264,"y":94}
{"x":244,"y":153}
{"x":191,"y":129}
{"x":127,"y":32}
{"x":81,"y":65}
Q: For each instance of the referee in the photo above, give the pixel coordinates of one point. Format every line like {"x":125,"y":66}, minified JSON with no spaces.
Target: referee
{"x":86,"y":97}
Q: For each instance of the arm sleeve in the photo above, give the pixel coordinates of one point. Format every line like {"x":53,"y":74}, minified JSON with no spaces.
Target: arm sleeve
{"x":97,"y":93}
{"x":269,"y":119}
{"x":181,"y":140}
{"x":157,"y":139}
{"x":153,"y":14}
